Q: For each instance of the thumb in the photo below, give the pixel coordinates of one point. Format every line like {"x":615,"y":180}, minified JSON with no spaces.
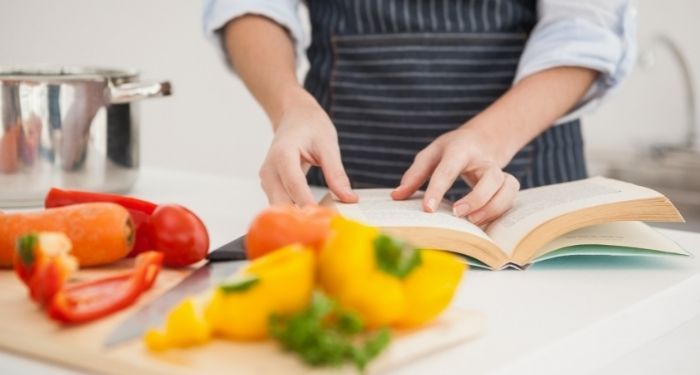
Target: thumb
{"x":334,"y":173}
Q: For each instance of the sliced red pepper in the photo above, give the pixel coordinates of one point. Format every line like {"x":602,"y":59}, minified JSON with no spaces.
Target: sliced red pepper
{"x":139,"y":209}
{"x":87,"y":301}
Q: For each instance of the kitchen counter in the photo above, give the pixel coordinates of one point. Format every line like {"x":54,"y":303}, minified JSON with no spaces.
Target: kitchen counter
{"x":573,"y":316}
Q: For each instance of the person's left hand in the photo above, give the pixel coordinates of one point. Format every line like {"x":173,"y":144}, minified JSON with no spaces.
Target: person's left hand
{"x":465,"y":153}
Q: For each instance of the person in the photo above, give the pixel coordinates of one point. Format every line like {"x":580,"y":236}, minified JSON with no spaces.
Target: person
{"x":469,"y":99}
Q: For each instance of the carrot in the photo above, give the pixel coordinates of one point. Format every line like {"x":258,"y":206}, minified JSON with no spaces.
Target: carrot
{"x":101,"y":233}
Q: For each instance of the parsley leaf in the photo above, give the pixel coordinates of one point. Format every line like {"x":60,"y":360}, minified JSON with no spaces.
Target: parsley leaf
{"x":323,"y":335}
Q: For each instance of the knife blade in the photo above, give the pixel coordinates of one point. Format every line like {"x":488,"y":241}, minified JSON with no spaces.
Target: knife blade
{"x":222,"y":262}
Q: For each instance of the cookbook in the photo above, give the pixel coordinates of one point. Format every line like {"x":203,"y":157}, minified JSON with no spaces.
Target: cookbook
{"x":593,"y":216}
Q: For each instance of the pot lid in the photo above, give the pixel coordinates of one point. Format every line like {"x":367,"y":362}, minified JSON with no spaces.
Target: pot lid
{"x":64,"y":73}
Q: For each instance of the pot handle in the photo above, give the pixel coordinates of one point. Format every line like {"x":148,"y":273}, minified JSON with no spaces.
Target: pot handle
{"x":130,"y":91}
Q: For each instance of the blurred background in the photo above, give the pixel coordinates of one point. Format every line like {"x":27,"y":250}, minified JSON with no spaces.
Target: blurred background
{"x":212,"y":125}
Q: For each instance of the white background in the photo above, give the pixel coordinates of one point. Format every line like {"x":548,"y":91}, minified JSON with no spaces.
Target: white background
{"x":211,"y":124}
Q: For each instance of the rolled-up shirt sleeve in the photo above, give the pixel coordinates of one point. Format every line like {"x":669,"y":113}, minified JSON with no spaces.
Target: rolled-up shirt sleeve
{"x":594,"y":34}
{"x":217,"y":13}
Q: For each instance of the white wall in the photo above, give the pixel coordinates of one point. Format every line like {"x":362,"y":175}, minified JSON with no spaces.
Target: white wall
{"x":650,"y":107}
{"x":211,"y":124}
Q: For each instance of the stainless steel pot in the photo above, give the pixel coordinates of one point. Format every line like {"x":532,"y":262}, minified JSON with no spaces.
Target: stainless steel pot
{"x":69,"y":127}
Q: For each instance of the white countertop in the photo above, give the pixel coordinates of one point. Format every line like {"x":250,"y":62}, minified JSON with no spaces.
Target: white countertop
{"x":566,"y":316}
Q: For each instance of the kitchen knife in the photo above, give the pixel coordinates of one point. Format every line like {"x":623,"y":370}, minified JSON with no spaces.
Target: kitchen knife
{"x":222,"y":263}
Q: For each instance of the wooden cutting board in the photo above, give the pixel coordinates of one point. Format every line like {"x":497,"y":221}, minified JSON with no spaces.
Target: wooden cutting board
{"x":25,"y":329}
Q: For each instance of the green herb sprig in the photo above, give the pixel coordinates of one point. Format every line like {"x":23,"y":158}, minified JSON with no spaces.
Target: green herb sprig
{"x":325,"y":335}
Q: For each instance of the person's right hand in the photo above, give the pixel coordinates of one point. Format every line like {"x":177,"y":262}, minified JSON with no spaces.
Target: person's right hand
{"x":304,"y":136}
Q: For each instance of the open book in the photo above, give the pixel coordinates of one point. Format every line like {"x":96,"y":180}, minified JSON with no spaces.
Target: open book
{"x":595,"y":216}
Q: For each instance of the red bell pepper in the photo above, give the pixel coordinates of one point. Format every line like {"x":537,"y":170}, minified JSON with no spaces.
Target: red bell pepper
{"x":43,"y":263}
{"x":90,"y":300}
{"x":59,"y":197}
{"x":140,"y":210}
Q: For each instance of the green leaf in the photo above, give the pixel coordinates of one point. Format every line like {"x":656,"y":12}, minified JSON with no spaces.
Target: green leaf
{"x":240,"y":284}
{"x":25,"y":248}
{"x":395,"y":257}
{"x":377,"y":343}
{"x":364,"y":354}
{"x":320,"y":340}
{"x":321,"y":305}
{"x":349,"y":323}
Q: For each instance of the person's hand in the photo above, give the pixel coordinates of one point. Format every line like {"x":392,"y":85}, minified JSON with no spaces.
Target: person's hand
{"x":304,"y":136}
{"x":464,"y":153}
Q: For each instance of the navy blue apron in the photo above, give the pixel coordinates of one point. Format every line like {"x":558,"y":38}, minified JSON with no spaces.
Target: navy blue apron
{"x":393,"y":75}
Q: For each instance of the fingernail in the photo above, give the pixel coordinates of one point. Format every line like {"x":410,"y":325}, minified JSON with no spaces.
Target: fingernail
{"x":460,"y":209}
{"x":345,"y":188}
{"x":393,"y":194}
{"x":431,"y":204}
{"x":348,"y":196}
{"x":476,"y":217}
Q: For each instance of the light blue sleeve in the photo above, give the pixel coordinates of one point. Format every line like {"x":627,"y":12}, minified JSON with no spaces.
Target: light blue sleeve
{"x":595,"y":34}
{"x":217,"y":13}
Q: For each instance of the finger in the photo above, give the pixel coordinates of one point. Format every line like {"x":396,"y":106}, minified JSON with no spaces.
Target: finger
{"x":290,"y":173}
{"x":416,"y":175}
{"x":472,"y":177}
{"x":273,"y":187}
{"x":442,"y":179}
{"x":485,"y":188}
{"x":499,"y":204}
{"x":334,"y":173}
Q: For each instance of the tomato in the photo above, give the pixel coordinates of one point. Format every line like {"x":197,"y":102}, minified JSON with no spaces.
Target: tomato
{"x":179,"y":234}
{"x":279,"y":226}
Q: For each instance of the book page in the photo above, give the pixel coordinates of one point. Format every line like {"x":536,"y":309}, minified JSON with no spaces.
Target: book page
{"x":376,"y":207}
{"x":623,"y":234}
{"x":535,"y":206}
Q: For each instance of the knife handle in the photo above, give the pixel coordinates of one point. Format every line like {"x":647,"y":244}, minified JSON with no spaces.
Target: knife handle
{"x":234,"y":250}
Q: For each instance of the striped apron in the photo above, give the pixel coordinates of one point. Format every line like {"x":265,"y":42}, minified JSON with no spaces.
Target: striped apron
{"x":393,"y":75}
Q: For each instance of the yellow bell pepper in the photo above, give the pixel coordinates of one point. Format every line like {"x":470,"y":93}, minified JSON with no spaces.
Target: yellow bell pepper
{"x":280,"y":283}
{"x":184,"y":327}
{"x":430,"y":287}
{"x":385,"y":281}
